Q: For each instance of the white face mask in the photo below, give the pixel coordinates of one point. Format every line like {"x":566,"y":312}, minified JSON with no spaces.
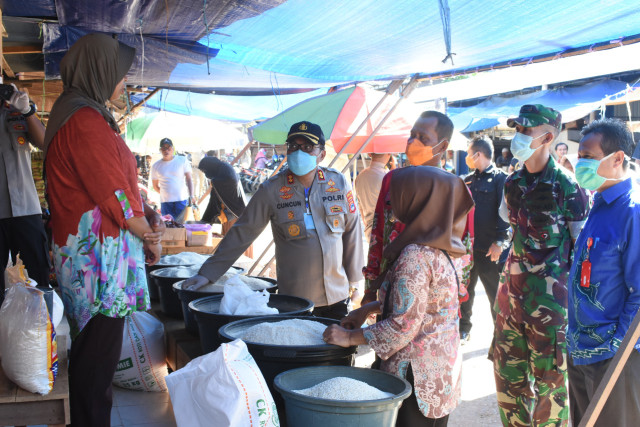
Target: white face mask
{"x":521,"y":146}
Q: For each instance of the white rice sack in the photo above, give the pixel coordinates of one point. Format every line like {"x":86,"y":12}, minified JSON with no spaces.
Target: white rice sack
{"x":344,"y":388}
{"x":253,"y":283}
{"x":286,"y":332}
{"x":240,"y":300}
{"x":28,"y":340}
{"x":222,"y":388}
{"x":142,"y":364}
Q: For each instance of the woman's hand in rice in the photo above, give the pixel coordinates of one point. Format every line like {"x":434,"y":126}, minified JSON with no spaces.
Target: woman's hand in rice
{"x":337,"y":335}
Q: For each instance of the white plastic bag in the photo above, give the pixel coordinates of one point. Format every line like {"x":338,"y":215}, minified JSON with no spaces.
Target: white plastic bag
{"x":142,"y":364}
{"x":240,"y":300}
{"x":28,"y":339}
{"x":222,"y":388}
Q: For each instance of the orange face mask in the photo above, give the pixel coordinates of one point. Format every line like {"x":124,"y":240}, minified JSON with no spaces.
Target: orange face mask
{"x":469,"y":161}
{"x":418,"y":154}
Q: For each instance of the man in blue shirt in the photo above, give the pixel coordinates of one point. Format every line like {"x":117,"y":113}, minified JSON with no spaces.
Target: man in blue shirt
{"x":604,"y":283}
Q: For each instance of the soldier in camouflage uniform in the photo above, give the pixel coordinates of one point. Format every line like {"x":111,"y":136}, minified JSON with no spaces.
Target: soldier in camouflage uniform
{"x":546,"y":211}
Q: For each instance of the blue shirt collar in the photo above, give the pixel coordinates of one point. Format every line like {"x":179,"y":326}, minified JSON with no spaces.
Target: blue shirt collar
{"x":612,"y":193}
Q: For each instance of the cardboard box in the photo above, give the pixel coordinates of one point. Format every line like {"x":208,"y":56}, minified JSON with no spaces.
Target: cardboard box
{"x":174,"y":237}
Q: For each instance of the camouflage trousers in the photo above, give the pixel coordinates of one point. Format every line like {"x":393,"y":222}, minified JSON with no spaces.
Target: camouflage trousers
{"x":529,"y":356}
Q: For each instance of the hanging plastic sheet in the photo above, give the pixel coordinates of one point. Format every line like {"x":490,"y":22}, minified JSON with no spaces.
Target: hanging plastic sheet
{"x":172,"y":19}
{"x":160,"y":58}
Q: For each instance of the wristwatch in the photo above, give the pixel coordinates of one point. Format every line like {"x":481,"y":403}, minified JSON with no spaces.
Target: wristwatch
{"x":502,"y":244}
{"x":31,"y":111}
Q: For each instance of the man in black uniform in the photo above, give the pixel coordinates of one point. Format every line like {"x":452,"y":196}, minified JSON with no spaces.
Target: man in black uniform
{"x":492,"y":234}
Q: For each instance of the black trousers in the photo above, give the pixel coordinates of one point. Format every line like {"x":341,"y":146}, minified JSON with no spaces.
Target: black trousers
{"x":334,"y":311}
{"x":410,"y":415}
{"x":25,"y":235}
{"x":95,"y":354}
{"x":487,"y":271}
{"x":622,"y":408}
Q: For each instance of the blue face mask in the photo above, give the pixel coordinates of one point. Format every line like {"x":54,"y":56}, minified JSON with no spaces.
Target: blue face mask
{"x":521,"y":146}
{"x":587,"y":173}
{"x":301,"y":163}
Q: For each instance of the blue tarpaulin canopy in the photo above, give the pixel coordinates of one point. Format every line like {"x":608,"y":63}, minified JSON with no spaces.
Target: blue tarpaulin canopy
{"x":572,"y":102}
{"x":271,"y":44}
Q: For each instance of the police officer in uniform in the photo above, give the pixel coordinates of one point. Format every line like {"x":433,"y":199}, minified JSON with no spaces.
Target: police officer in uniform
{"x":21,"y":228}
{"x":315,"y":223}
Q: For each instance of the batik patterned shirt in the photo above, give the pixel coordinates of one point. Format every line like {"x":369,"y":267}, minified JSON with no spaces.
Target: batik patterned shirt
{"x":422,"y":328}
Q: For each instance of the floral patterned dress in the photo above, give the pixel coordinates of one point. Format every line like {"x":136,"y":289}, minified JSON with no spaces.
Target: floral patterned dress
{"x":422,"y":329}
{"x":92,"y":190}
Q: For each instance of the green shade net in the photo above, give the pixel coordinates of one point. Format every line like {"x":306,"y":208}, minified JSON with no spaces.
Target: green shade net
{"x":322,"y":110}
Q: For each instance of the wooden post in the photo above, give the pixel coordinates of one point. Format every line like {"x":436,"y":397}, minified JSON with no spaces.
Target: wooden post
{"x":613,"y":372}
{"x":246,"y":147}
{"x":135,"y":107}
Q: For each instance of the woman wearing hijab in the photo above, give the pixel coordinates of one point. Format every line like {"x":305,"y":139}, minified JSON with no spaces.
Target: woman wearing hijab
{"x":260,"y":162}
{"x":226,"y":194}
{"x":418,"y":336}
{"x":100,"y":232}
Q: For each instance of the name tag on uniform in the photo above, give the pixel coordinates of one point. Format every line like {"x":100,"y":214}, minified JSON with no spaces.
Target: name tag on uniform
{"x":308,"y":221}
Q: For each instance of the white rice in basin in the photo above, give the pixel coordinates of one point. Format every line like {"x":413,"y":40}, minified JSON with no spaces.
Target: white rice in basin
{"x":286,"y":332}
{"x":344,"y":388}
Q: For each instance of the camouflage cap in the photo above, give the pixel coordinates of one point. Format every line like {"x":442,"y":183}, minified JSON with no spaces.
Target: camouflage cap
{"x":533,"y":115}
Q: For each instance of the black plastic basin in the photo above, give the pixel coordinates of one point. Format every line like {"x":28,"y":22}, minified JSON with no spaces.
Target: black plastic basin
{"x":186,"y":296}
{"x":209,"y":319}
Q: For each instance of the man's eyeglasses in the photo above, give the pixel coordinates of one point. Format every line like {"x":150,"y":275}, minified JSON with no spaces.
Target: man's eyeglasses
{"x":307,"y":147}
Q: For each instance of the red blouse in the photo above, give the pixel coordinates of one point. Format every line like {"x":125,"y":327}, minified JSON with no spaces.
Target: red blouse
{"x":88,"y":165}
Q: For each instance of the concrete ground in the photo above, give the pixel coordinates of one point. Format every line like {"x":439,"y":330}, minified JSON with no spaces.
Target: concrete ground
{"x":478,"y":407}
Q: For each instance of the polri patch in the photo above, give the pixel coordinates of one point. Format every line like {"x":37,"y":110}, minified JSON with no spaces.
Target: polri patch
{"x":336,"y":209}
{"x":351,"y":202}
{"x":331,"y":190}
{"x":294,"y":230}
